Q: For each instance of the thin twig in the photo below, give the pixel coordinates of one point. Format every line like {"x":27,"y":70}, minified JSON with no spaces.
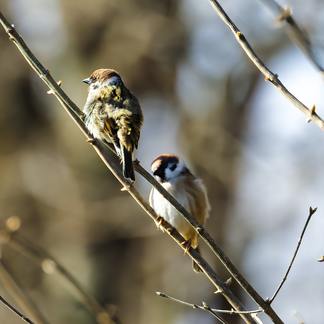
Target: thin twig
{"x":22,"y":299}
{"x":34,"y":252}
{"x":112,"y":163}
{"x":15,"y":310}
{"x":310,"y":113}
{"x":312,"y":211}
{"x":214,"y":312}
{"x":202,"y":307}
{"x":296,"y":33}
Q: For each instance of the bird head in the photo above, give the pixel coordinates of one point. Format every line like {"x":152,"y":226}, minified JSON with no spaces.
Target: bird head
{"x":103,"y":78}
{"x":168,"y":167}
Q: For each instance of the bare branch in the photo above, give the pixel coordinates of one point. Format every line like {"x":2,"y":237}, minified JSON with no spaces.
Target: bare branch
{"x":15,"y":310}
{"x":295,"y":32}
{"x":21,"y":298}
{"x":112,"y":164}
{"x":203,"y":306}
{"x":50,"y":265}
{"x":312,"y":211}
{"x":268,"y":74}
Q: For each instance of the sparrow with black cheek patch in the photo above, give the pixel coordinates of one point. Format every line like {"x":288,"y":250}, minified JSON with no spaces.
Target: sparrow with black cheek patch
{"x":113,"y":114}
{"x":189,"y":191}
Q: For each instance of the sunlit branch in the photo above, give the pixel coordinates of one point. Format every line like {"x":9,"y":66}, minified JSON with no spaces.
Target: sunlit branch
{"x":310,"y":113}
{"x":295,"y":32}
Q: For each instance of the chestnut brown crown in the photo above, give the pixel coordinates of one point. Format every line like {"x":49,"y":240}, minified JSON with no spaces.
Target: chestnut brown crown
{"x":101,"y":75}
{"x":163,"y":160}
{"x":168,"y":167}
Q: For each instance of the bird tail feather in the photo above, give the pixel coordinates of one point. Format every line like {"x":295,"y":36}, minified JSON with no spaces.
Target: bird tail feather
{"x":128,"y":170}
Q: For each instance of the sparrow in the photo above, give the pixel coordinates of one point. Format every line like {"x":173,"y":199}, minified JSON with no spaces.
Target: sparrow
{"x":190,"y":192}
{"x":113,"y":115}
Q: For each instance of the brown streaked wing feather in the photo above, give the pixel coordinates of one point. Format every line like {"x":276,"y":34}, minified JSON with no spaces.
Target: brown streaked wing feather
{"x":198,"y":201}
{"x":111,"y":130}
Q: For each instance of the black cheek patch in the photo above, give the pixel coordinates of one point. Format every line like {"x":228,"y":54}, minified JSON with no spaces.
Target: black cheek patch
{"x":173,"y":167}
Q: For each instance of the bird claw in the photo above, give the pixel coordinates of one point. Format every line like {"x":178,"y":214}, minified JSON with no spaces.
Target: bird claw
{"x":159,"y":221}
{"x":186,"y":246}
{"x":91,"y":140}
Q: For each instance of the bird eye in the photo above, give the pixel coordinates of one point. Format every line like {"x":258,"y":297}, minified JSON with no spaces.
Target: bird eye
{"x":173,"y":167}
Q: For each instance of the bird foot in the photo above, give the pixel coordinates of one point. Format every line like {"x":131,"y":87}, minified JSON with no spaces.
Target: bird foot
{"x":159,"y":221}
{"x":91,"y":140}
{"x":186,"y":246}
{"x":127,"y":186}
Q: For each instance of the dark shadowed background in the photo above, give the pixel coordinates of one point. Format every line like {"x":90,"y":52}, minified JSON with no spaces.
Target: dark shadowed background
{"x":202,"y":99}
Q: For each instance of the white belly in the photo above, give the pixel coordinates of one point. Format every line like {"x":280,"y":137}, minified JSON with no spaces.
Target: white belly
{"x":95,"y":127}
{"x":164,"y":209}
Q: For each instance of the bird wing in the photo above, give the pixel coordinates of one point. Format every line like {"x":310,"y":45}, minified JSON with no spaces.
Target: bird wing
{"x":198,"y":200}
{"x":110,"y":129}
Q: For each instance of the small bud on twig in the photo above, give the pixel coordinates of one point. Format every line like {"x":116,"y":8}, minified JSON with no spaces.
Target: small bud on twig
{"x":285,"y":14}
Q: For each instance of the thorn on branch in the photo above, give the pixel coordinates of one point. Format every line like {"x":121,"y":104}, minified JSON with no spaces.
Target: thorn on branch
{"x":13,"y":223}
{"x":205,"y":306}
{"x":159,"y":293}
{"x":321,"y":259}
{"x":272,"y":77}
{"x":45,"y":74}
{"x":59,"y":83}
{"x":125,"y":188}
{"x":199,"y":229}
{"x":240,"y":36}
{"x":229,"y":281}
{"x":48,"y":266}
{"x":91,"y":140}
{"x":285,"y":14}
{"x":312,"y":210}
{"x":312,"y":112}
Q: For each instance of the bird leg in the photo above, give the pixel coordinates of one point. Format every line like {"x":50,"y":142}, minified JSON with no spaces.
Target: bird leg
{"x":186,"y":245}
{"x":158,"y":222}
{"x":91,"y":140}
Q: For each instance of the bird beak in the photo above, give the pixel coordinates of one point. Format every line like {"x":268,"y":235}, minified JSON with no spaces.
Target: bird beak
{"x":87,"y":80}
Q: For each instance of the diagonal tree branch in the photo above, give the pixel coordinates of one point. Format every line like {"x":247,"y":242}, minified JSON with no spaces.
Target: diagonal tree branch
{"x":21,"y":298}
{"x":312,"y":211}
{"x":310,"y":113}
{"x":15,"y":310}
{"x":112,"y":163}
{"x":295,"y":32}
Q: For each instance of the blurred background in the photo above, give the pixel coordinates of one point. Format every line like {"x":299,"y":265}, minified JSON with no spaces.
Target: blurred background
{"x":202,"y":99}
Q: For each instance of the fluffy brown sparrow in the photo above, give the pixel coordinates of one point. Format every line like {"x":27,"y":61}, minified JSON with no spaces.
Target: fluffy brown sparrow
{"x":113,"y":114}
{"x":190,"y":192}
